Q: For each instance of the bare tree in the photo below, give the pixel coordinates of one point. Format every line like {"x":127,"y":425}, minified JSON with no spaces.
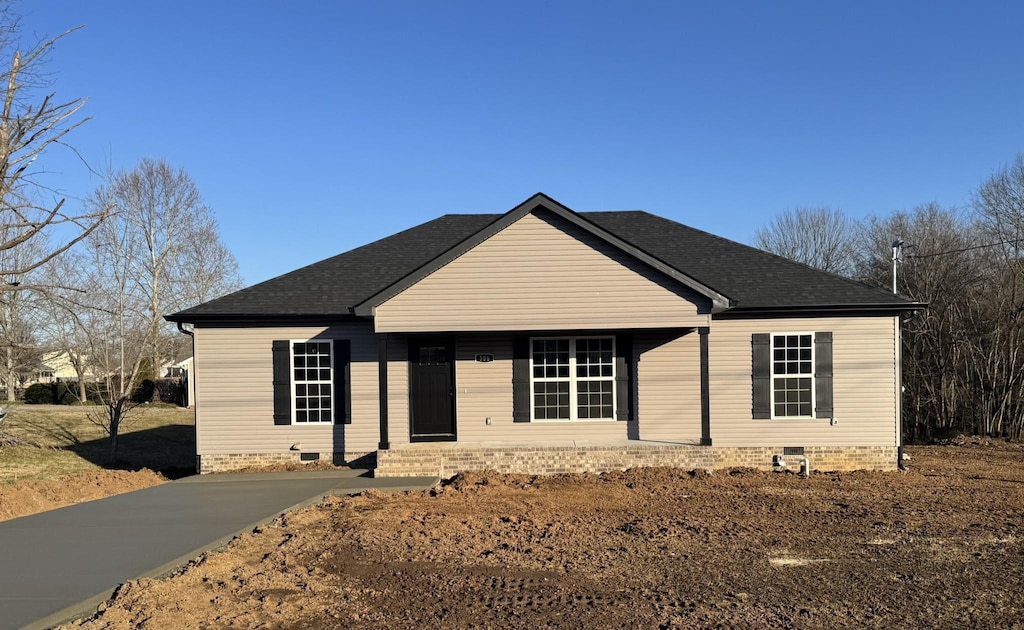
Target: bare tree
{"x":20,"y":318}
{"x":68,"y":313}
{"x":34,"y":120}
{"x":999,"y":206}
{"x":821,"y":237}
{"x":941,"y":270}
{"x":159,"y":253}
{"x":119,"y":333}
{"x":22,"y":355}
{"x":171,"y":242}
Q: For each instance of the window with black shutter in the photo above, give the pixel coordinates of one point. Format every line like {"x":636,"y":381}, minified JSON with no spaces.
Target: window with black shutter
{"x":311,"y":382}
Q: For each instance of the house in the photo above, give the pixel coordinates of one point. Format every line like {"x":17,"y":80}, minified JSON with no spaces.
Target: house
{"x":181,"y":369}
{"x":56,"y":366}
{"x":545,"y":340}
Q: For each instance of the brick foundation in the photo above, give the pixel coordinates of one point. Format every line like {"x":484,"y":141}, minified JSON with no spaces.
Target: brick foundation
{"x":447,"y":460}
{"x":234,"y":461}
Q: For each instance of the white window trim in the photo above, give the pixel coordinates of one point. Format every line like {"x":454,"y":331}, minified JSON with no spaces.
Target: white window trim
{"x":573,"y":406}
{"x":294,"y":382}
{"x":771,"y":371}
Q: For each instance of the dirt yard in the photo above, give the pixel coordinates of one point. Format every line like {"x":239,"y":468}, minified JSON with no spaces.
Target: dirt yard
{"x":937,"y":547}
{"x":53,"y":455}
{"x":28,"y":497}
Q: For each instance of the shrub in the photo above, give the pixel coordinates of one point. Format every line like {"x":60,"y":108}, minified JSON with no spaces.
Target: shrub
{"x":40,"y":394}
{"x":170,"y":390}
{"x":143,"y":392}
{"x":60,"y":393}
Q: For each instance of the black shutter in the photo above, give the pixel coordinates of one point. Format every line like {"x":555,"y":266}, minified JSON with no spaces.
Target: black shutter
{"x":521,"y":378}
{"x":823,"y":375}
{"x":282,"y":382}
{"x":761,"y":370}
{"x":342,"y":381}
{"x":624,"y":377}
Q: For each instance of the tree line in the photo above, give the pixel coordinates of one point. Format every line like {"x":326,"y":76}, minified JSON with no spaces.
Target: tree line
{"x":963,"y":357}
{"x":90,"y":279}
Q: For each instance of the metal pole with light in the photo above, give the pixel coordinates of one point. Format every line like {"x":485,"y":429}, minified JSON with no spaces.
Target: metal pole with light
{"x":897,"y":251}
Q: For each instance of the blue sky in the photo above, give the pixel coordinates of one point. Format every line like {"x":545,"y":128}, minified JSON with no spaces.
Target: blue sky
{"x":315,"y":127}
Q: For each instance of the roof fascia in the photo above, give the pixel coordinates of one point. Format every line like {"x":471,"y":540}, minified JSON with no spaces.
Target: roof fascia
{"x":268,"y":320}
{"x":537,"y":201}
{"x":821,"y":310}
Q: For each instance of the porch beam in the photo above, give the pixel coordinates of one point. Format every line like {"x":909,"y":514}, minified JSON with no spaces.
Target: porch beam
{"x":382,"y":383}
{"x":705,"y":388}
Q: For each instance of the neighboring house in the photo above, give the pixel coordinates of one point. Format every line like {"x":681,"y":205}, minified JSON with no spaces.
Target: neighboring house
{"x":56,"y":367}
{"x":183,"y":370}
{"x":42,"y":374}
{"x":545,"y":340}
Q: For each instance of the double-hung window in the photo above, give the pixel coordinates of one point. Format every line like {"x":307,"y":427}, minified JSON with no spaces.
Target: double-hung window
{"x":792,"y":375}
{"x":573,"y":378}
{"x":312,"y":382}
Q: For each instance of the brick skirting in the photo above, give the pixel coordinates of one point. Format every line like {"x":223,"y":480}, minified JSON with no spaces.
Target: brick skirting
{"x":234,"y":461}
{"x":445,"y":461}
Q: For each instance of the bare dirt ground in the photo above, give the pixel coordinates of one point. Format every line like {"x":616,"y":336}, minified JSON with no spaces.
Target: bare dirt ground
{"x":28,"y":497}
{"x":54,"y":455}
{"x":937,"y":547}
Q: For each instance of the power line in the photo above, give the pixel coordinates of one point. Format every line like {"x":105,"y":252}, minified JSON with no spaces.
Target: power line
{"x":1017,"y":241}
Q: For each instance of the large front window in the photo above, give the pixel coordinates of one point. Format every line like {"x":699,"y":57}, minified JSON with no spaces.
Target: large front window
{"x":792,"y":375}
{"x":312,"y":380}
{"x":573,"y":378}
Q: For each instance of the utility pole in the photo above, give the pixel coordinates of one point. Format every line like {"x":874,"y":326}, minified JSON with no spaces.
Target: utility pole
{"x":897,"y":253}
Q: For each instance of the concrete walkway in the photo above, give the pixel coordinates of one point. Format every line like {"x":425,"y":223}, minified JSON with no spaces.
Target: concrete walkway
{"x":58,"y":565}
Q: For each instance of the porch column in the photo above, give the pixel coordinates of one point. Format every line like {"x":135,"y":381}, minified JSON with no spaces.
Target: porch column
{"x":382,"y":383}
{"x":705,"y":389}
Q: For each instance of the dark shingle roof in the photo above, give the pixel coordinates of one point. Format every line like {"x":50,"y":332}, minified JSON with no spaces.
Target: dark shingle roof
{"x":750,"y":278}
{"x":332,"y":286}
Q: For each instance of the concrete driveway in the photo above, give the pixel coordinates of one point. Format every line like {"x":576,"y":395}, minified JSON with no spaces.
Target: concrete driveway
{"x":58,"y":565}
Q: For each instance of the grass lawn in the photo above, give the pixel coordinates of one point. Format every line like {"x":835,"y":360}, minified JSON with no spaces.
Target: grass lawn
{"x":158,"y":438}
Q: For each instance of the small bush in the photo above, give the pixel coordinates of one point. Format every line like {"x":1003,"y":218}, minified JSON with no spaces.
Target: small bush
{"x":41,"y":394}
{"x":60,"y":394}
{"x":161,"y":390}
{"x":170,"y":390}
{"x":143,"y":392}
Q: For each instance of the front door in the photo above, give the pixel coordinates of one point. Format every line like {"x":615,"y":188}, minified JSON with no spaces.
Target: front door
{"x":432,"y":390}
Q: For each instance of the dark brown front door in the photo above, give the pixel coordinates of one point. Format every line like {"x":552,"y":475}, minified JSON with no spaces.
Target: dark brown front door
{"x":432,"y":390}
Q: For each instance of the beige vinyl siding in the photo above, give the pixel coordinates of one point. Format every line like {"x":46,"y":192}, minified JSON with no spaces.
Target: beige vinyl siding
{"x":234,"y":374}
{"x":485,"y":390}
{"x":864,"y":384}
{"x":398,"y":392}
{"x":668,"y":386}
{"x":541,"y":274}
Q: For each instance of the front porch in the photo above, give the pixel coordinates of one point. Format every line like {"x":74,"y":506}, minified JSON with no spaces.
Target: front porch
{"x":445,"y":459}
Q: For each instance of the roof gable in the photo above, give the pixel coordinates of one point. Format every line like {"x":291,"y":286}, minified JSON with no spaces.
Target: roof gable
{"x":542,"y":272}
{"x":538,"y":202}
